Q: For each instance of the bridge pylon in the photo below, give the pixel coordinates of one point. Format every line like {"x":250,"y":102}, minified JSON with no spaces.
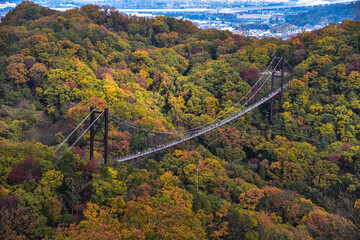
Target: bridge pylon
{"x":94,"y":129}
{"x":277,"y":68}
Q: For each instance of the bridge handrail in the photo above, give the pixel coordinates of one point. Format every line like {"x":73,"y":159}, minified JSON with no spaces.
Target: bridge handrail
{"x":195,"y":129}
{"x":202,"y":131}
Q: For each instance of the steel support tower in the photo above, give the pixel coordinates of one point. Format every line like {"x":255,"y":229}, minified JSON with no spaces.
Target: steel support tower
{"x":274,"y":75}
{"x":94,"y":129}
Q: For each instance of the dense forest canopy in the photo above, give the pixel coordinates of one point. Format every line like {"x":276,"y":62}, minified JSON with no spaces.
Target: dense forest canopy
{"x":294,"y":178}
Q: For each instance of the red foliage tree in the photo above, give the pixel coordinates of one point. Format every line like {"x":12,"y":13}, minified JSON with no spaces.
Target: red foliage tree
{"x":250,"y":75}
{"x":15,"y":223}
{"x":70,"y":84}
{"x":323,"y":225}
{"x":81,"y":151}
{"x":8,"y":202}
{"x":92,"y":167}
{"x":126,"y":89}
{"x":335,"y":158}
{"x":104,"y":70}
{"x":345,"y":146}
{"x":23,"y":172}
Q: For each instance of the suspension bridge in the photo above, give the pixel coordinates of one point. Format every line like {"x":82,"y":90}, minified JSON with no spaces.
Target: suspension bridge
{"x":230,"y":115}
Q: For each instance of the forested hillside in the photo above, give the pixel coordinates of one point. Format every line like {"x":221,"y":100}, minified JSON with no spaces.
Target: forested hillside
{"x":326,"y":14}
{"x":294,"y":178}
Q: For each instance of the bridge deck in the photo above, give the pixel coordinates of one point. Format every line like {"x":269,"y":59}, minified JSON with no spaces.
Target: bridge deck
{"x":200,"y":132}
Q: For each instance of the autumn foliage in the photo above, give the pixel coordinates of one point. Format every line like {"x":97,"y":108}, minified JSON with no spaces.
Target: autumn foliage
{"x":295,"y":177}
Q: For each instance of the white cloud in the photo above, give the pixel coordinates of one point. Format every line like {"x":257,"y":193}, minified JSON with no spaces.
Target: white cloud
{"x":7,"y":4}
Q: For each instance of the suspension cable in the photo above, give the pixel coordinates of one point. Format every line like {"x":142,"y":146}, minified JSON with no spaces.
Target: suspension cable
{"x":197,"y":128}
{"x":212,"y":121}
{"x":222,"y":122}
{"x":289,"y":65}
{"x":254,"y":93}
{"x":83,"y":133}
{"x":234,"y":106}
{"x":67,"y":138}
{"x":198,"y":133}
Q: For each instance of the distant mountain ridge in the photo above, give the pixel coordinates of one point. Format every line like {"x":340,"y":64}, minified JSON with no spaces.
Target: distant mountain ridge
{"x":327,"y":14}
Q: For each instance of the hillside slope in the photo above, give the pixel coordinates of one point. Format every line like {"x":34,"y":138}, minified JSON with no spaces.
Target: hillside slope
{"x":326,"y":14}
{"x":295,"y":178}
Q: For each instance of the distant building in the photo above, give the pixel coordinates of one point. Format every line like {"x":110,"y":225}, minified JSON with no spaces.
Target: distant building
{"x":253,"y":16}
{"x":240,"y":32}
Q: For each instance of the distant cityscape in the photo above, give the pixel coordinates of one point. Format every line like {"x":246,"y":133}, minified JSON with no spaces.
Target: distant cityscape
{"x":246,"y":17}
